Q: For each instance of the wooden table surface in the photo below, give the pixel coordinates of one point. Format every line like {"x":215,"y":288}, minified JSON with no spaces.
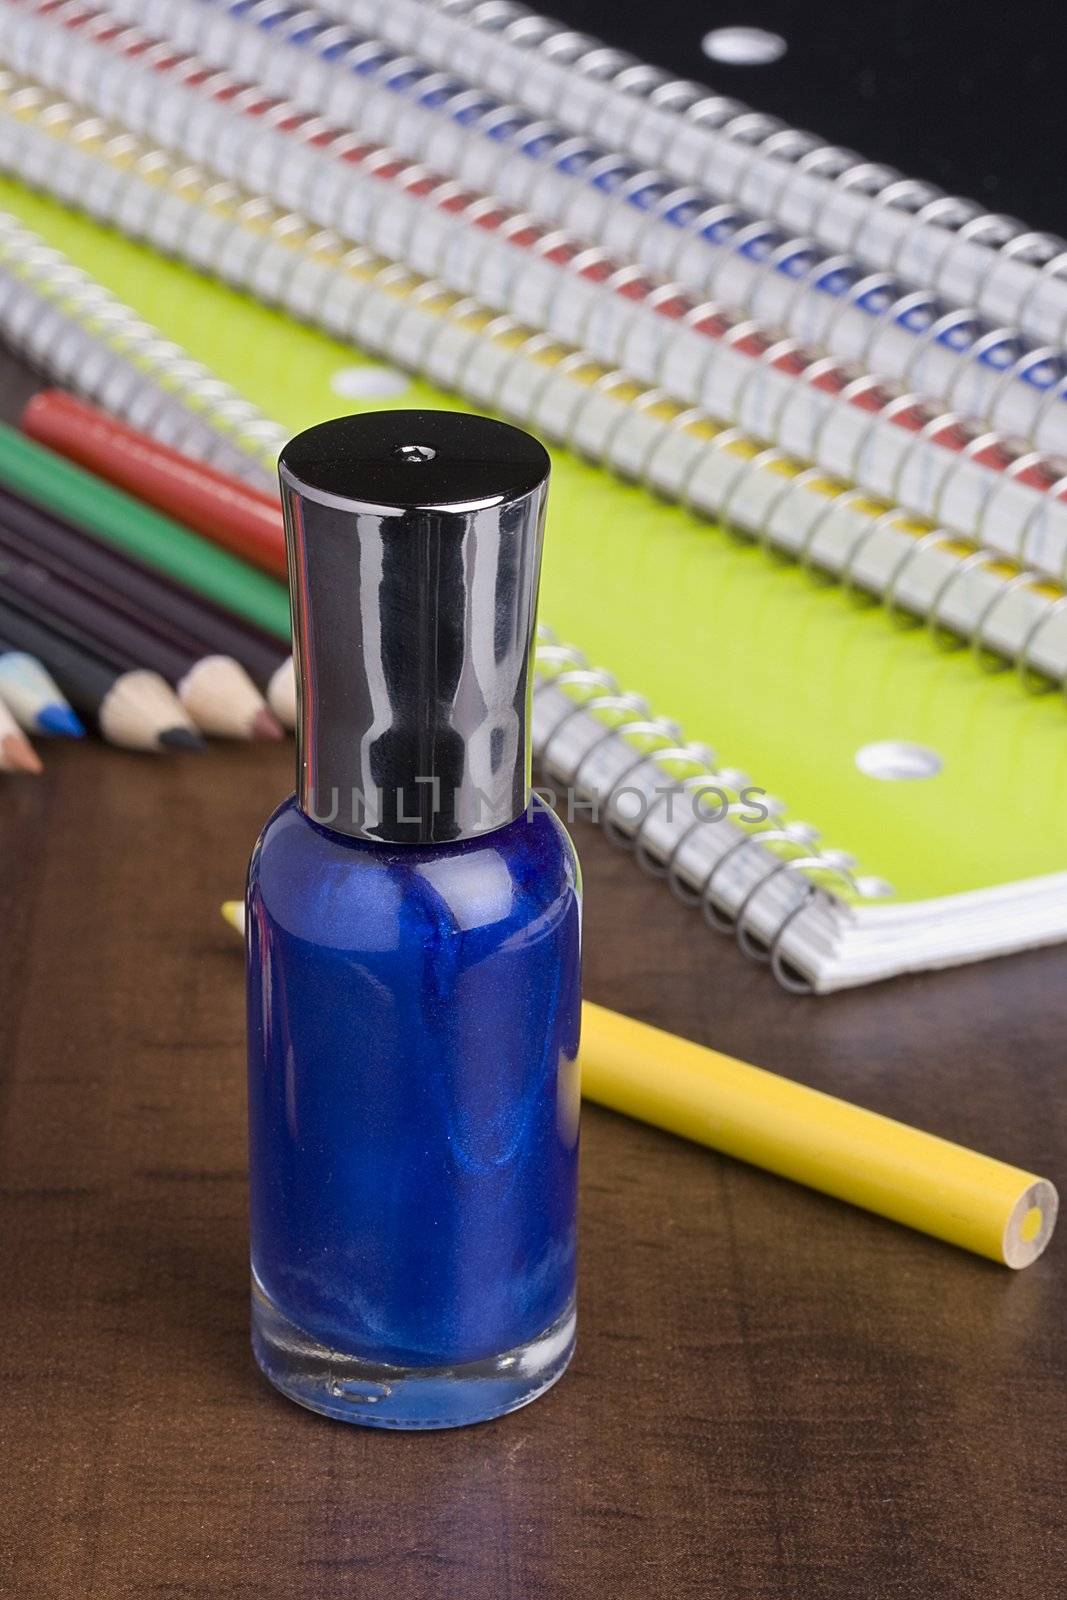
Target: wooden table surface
{"x":774,"y":1396}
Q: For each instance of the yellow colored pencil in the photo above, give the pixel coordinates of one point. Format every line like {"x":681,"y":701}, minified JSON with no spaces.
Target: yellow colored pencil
{"x":927,"y":1183}
{"x":915,"y":1178}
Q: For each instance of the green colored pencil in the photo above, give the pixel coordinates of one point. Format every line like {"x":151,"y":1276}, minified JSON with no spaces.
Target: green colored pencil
{"x":50,"y":481}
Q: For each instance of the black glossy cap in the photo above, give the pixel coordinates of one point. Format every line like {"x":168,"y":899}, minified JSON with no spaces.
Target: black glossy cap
{"x":414,"y":542}
{"x":403,"y":460}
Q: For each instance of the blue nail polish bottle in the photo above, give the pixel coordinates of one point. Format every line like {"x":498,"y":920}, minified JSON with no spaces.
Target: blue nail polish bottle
{"x":413,"y":945}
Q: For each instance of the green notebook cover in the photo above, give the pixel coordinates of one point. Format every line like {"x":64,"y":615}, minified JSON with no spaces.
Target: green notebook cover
{"x":784,"y":675}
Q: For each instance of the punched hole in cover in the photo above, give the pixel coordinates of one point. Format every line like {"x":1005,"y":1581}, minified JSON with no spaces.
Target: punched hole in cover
{"x":369,"y":383}
{"x":898,"y":761}
{"x":743,"y":47}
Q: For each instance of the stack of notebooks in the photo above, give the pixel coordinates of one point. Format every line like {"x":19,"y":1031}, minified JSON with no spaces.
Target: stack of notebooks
{"x":854,"y":789}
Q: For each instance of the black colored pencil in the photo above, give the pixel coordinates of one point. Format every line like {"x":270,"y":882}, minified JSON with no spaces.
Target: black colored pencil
{"x":136,"y":709}
{"x":160,"y":603}
{"x":217,"y":693}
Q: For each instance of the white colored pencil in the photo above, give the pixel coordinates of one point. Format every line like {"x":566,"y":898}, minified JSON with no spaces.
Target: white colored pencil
{"x":223,"y":701}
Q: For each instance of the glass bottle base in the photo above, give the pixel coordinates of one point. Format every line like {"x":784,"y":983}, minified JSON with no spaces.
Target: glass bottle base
{"x":376,"y":1395}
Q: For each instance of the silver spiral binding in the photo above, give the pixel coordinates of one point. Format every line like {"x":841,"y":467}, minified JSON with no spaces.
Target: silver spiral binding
{"x":1030,"y":680}
{"x":848,"y":499}
{"x":667,"y":750}
{"x":817,"y":863}
{"x":298,"y":55}
{"x":721,"y":444}
{"x":715,"y":908}
{"x":613,"y":721}
{"x":715,"y":915}
{"x":724,"y":780}
{"x":641,"y":434}
{"x":71,"y":329}
{"x":694,"y":782}
{"x":1055,"y":492}
{"x":904,"y":224}
{"x":891,"y":593}
{"x":933,"y":618}
{"x":985,"y":657}
{"x":878,"y":526}
{"x":786,"y":977}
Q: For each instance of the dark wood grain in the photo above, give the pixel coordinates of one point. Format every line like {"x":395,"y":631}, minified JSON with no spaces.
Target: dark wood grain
{"x":774,"y":1397}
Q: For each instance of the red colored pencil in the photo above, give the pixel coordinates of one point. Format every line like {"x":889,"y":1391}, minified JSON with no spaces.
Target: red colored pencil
{"x":223,"y":509}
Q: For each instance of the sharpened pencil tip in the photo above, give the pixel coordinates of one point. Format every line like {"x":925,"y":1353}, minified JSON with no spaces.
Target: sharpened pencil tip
{"x":62,"y":721}
{"x":265,"y":725}
{"x":19,"y":755}
{"x":181,"y":739}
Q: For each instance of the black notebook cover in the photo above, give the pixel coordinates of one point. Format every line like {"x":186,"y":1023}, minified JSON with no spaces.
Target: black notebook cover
{"x":965,"y":93}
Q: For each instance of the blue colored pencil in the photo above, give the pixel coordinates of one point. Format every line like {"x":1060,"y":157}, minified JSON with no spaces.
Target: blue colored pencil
{"x":34,"y":698}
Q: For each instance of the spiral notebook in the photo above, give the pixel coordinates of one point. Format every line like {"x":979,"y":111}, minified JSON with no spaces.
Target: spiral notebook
{"x":902,"y":447}
{"x":771,"y":680}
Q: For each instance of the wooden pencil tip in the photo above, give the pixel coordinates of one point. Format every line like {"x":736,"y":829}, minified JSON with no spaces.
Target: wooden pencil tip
{"x":18,"y":754}
{"x":265,"y":725}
